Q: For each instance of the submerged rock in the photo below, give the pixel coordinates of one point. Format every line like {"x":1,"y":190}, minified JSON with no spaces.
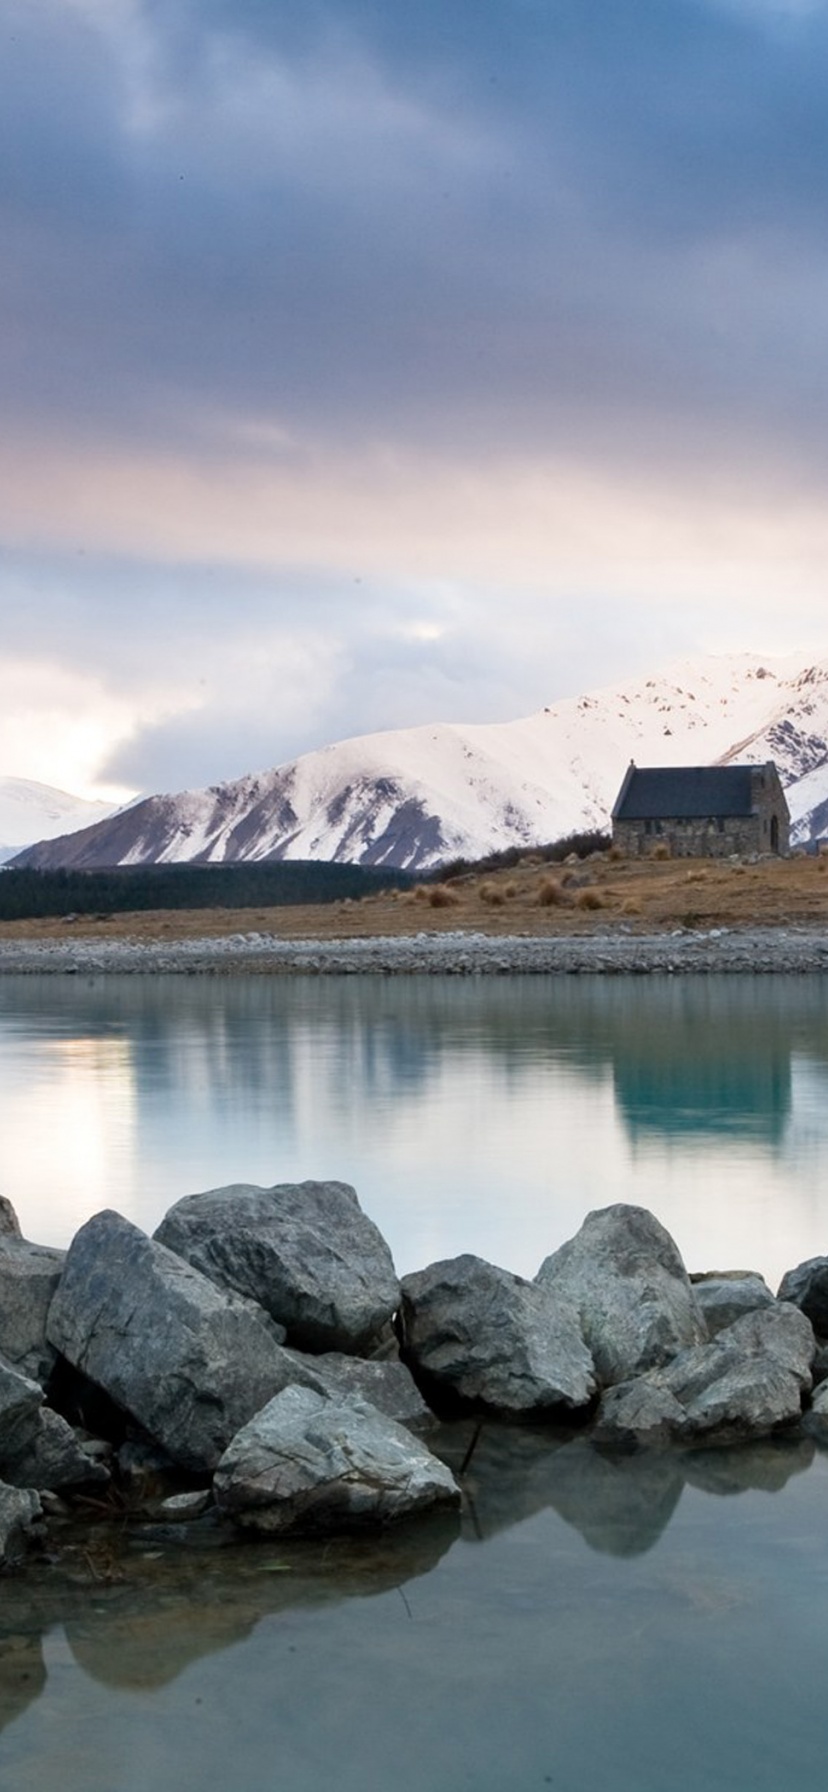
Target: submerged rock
{"x":163,"y":1341}
{"x":20,"y":1510}
{"x":305,"y":1251}
{"x":625,"y":1278}
{"x":723,"y":1298}
{"x":749,"y":1381}
{"x":476,"y":1334}
{"x":807,"y":1288}
{"x":309,"y":1463}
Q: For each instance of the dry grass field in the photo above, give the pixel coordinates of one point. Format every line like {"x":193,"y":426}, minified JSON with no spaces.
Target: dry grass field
{"x":599,"y":894}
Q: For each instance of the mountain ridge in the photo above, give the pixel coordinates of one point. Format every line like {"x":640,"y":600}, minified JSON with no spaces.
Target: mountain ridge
{"x":415,"y":797}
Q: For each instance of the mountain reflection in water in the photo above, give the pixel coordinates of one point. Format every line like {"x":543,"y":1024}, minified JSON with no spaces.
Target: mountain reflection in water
{"x":485,"y":1114}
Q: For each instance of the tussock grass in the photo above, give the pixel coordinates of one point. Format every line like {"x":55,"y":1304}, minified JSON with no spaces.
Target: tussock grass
{"x":550,"y":893}
{"x":589,"y":898}
{"x":440,"y":896}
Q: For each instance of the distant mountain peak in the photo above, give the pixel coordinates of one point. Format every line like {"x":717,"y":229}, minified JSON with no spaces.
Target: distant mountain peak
{"x":30,"y":811}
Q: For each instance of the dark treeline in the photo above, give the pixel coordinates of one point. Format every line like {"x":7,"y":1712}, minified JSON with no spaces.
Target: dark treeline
{"x":25,"y":894}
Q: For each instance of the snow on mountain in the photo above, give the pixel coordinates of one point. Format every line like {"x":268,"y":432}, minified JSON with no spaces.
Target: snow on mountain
{"x":417,"y":796}
{"x":30,"y":812}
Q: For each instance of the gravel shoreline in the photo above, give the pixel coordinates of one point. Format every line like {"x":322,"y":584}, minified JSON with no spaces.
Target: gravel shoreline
{"x":721,"y":950}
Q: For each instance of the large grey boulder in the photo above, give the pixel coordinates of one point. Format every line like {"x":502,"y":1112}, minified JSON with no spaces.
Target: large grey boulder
{"x":724,"y":1298}
{"x":624,"y":1276}
{"x":748,"y":1382}
{"x":474,"y":1333}
{"x":29,"y":1275}
{"x":309,"y":1462}
{"x":191,"y":1365}
{"x":807,"y":1288}
{"x":305,"y":1251}
{"x":20,"y":1509}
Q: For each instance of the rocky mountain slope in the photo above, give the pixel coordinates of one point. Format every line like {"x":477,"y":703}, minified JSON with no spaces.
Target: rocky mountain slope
{"x":415,"y":797}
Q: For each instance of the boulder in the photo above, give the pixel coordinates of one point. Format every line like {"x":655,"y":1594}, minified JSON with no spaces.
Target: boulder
{"x":20,"y":1509}
{"x":46,"y":1454}
{"x":189,"y":1364}
{"x":9,"y":1222}
{"x":309,"y":1463}
{"x":748,"y":1382}
{"x":305,"y":1251}
{"x":387,"y":1385}
{"x":625,"y":1278}
{"x":29,"y":1275}
{"x":37,"y":1447}
{"x":723,"y":1298}
{"x":476,"y":1334}
{"x":20,"y":1401}
{"x":807,"y":1288}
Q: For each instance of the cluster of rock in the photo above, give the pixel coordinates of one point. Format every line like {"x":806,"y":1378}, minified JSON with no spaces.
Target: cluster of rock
{"x":260,"y":1351}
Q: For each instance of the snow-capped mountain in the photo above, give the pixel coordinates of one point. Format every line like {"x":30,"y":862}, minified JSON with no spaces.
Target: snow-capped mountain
{"x":415,"y":797}
{"x":30,"y":811}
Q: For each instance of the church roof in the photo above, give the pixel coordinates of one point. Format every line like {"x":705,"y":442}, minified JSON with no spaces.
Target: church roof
{"x":684,"y":792}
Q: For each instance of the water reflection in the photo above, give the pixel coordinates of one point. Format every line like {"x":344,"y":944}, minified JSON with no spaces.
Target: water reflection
{"x":578,"y":1580}
{"x":134,"y":1614}
{"x":485,"y":1114}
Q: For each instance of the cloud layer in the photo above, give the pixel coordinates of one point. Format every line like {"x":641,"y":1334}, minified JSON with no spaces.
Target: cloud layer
{"x":365,"y":364}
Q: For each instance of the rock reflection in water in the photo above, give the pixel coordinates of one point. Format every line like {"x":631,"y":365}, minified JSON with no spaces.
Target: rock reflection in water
{"x":570,"y":1636}
{"x":621,"y":1504}
{"x":166,"y":1608}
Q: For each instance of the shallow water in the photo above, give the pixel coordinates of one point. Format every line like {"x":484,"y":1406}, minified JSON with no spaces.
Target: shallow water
{"x":623,"y":1624}
{"x":486,"y":1115}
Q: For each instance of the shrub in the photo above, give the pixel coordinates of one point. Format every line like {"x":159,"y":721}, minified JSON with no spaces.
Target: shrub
{"x":550,"y":894}
{"x":492,"y":894}
{"x":589,"y":898}
{"x":440,"y":896}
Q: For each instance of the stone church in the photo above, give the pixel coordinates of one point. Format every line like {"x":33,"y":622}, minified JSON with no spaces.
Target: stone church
{"x":706,"y":811}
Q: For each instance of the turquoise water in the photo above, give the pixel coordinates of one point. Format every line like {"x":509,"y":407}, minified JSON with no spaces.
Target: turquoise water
{"x":623,"y":1624}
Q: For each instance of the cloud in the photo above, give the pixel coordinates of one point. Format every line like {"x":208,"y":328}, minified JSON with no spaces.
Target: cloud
{"x":365,"y":364}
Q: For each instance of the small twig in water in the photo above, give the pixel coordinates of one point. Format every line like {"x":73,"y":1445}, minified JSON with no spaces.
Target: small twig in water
{"x":472,"y":1447}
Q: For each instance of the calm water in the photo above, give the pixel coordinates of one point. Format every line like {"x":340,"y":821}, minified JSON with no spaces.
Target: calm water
{"x":486,"y":1116}
{"x":617,"y":1624}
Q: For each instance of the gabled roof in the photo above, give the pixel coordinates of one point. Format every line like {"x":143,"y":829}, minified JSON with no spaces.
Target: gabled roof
{"x":684,"y":792}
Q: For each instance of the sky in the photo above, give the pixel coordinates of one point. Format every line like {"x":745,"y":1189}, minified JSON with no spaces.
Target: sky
{"x":366,"y":363}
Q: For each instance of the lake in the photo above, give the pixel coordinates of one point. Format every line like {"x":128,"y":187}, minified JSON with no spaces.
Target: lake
{"x":616,"y":1623}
